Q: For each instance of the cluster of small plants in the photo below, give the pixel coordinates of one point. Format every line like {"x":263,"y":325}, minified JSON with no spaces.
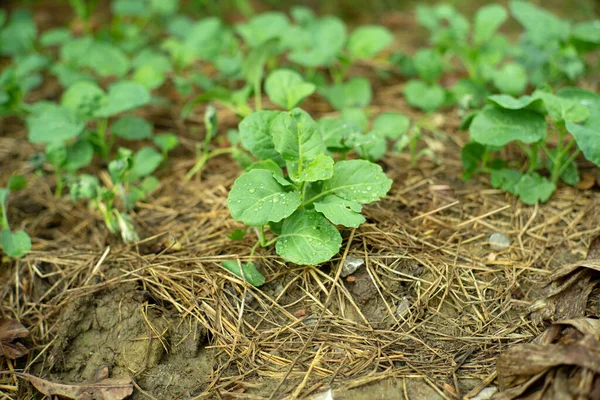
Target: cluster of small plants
{"x":151,"y":53}
{"x":511,"y":93}
{"x":303,"y":177}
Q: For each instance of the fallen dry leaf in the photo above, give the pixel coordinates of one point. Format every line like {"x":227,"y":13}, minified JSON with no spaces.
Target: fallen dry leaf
{"x":10,"y":331}
{"x":566,"y":296}
{"x":562,"y":363}
{"x":108,"y":389}
{"x":587,"y":182}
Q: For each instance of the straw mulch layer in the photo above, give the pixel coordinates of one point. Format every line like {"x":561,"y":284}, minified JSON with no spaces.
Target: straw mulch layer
{"x":432,"y":303}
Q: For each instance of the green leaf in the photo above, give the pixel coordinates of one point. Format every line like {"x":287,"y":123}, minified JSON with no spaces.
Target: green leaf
{"x":327,"y":37}
{"x":257,"y":198}
{"x":371,"y":146}
{"x":367,"y":41}
{"x":307,"y":238}
{"x":149,"y":77}
{"x":74,"y":52}
{"x":263,"y":27}
{"x":487,"y":21}
{"x":541,"y":25}
{"x":498,"y":127}
{"x":505,"y":179}
{"x":391,"y":124}
{"x":532,"y":188}
{"x":118,"y":167}
{"x":15,"y":244}
{"x":84,"y":187}
{"x":426,"y":97}
{"x":79,"y":155}
{"x":145,"y":162}
{"x":18,"y":36}
{"x":357,"y":180}
{"x":238,"y":234}
{"x":106,"y":60}
{"x":287,"y":88}
{"x":205,"y":39}
{"x":319,"y":169}
{"x":83,"y":98}
{"x":16,"y":182}
{"x":132,"y":128}
{"x":356,"y":116}
{"x":302,"y":15}
{"x":129,"y":8}
{"x":511,"y":79}
{"x":296,"y":136}
{"x":584,"y":97}
{"x":154,"y":59}
{"x":340,"y":211}
{"x":149,"y":184}
{"x":356,"y":92}
{"x":588,"y":31}
{"x":511,"y":103}
{"x":164,"y":7}
{"x":124,"y":96}
{"x":255,"y":133}
{"x":268,"y":165}
{"x":54,"y":124}
{"x":560,"y":108}
{"x":247,"y":272}
{"x":254,"y":64}
{"x":428,"y":64}
{"x":471,"y":154}
{"x":166,"y":142}
{"x":335,"y":130}
{"x":587,"y":136}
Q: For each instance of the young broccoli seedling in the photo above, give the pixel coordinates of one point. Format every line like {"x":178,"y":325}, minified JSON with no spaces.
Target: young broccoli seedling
{"x":131,"y":181}
{"x":574,"y":115}
{"x":302,"y":205}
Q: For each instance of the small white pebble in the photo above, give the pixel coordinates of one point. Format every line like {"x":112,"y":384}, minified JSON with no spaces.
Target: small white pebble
{"x":351,"y":265}
{"x":499,"y":241}
{"x":486,"y":393}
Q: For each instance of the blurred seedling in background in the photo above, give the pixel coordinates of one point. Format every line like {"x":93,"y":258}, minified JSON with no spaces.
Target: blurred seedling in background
{"x":15,"y":244}
{"x":130,"y":182}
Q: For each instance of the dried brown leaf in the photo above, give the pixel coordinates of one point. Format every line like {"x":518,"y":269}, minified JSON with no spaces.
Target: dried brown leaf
{"x":108,"y":389}
{"x":10,"y":331}
{"x":566,"y":296}
{"x":587,"y":182}
{"x":563,"y":363}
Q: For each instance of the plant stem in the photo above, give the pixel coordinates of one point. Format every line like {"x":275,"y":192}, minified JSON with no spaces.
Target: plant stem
{"x":533,"y":158}
{"x":59,"y":183}
{"x":101,"y":133}
{"x":261,"y":235}
{"x":556,"y":167}
{"x":413,"y":147}
{"x":204,"y":159}
{"x":254,"y":248}
{"x":257,"y":95}
{"x":568,"y":162}
{"x":4,"y":219}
